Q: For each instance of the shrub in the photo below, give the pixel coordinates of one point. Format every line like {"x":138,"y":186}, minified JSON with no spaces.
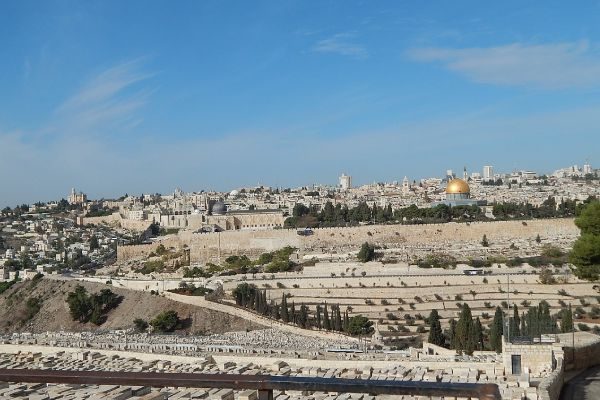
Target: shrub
{"x":166,"y":321}
{"x":385,"y":302}
{"x":391,"y":316}
{"x":458,"y":297}
{"x":366,"y":252}
{"x":583,"y":327}
{"x":140,"y":325}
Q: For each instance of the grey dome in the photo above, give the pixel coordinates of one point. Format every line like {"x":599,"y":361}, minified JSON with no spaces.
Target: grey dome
{"x":219,"y":208}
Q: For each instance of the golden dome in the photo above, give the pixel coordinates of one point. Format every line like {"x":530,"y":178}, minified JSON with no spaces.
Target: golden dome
{"x":457,"y":186}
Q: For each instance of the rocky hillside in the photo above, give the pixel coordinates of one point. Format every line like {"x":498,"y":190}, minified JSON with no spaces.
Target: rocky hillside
{"x":53,"y":315}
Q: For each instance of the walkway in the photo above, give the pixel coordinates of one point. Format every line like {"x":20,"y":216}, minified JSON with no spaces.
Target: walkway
{"x":585,"y":386}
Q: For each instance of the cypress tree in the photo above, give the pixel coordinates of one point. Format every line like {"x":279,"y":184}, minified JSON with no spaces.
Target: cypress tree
{"x":436,"y":336}
{"x":293,"y":316}
{"x":303,"y":316}
{"x":285,"y":316}
{"x":464,"y":331}
{"x":338,"y":319}
{"x":318,"y":317}
{"x":326,"y":322}
{"x":496,"y":330}
{"x":478,"y":334}
{"x":515,"y":326}
{"x":524,"y":331}
{"x":452,"y":333}
{"x":346,"y":321}
{"x":275,"y":311}
{"x":566,"y":322}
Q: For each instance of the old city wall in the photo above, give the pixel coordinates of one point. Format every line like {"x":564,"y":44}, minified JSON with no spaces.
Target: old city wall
{"x":115,"y":219}
{"x":209,"y":246}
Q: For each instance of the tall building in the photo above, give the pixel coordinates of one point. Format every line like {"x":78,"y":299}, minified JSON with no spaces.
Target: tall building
{"x":587,"y":169}
{"x":405,"y":185}
{"x":345,"y":182}
{"x":488,"y":172}
{"x":449,"y":175}
{"x":77,"y":198}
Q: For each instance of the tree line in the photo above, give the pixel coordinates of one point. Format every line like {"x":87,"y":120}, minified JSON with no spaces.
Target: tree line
{"x":467,"y":334}
{"x":326,"y":317}
{"x":341,"y":215}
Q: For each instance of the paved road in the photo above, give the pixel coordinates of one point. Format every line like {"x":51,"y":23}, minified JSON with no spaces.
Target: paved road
{"x":585,"y":386}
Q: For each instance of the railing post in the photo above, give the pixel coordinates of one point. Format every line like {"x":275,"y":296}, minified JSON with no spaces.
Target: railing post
{"x":265,"y":394}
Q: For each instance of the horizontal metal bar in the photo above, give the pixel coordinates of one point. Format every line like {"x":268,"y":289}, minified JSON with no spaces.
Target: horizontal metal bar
{"x":486,"y":391}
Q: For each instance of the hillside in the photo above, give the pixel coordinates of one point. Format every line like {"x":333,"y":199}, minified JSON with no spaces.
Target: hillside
{"x":54,"y":312}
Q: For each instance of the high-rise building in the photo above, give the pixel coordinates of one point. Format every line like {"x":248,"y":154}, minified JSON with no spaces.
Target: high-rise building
{"x":345,"y":182}
{"x":587,"y":169}
{"x":488,"y":172}
{"x":449,"y":175}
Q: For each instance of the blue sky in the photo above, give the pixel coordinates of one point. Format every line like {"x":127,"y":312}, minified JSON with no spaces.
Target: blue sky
{"x":144,"y":96}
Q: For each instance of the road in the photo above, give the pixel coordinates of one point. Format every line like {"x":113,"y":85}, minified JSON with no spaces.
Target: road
{"x":585,"y":386}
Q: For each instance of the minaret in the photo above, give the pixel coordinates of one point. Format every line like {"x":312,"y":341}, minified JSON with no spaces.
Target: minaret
{"x":465,"y":175}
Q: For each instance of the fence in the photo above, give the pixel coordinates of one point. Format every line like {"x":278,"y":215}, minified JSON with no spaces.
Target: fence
{"x":265,"y":384}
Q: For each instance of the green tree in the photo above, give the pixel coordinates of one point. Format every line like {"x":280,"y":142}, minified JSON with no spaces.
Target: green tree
{"x":566,"y":322}
{"x":94,"y":243}
{"x":464,"y":340}
{"x":79,"y":303}
{"x":366,"y":252}
{"x":326,"y":321}
{"x":359,"y":325}
{"x":303,"y":316}
{"x":436,"y":335}
{"x":166,"y":321}
{"x":496,"y":331}
{"x":586,"y":250}
{"x":452,"y":333}
{"x":478,"y":334}
{"x":484,"y":241}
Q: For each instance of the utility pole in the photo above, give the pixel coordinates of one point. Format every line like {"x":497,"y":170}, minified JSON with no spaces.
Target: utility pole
{"x":508,"y":309}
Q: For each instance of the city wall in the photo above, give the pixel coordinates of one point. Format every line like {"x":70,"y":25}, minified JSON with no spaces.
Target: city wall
{"x":211,"y":246}
{"x":115,"y":219}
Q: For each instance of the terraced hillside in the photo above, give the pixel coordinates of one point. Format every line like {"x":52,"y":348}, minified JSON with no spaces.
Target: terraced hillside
{"x":401,"y":296}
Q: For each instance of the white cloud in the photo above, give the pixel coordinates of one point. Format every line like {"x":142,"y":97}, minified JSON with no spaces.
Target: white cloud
{"x":108,"y":100}
{"x":342,"y":44}
{"x":547,"y":66}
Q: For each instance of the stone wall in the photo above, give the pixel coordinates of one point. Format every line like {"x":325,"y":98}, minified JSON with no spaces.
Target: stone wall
{"x":550,"y":387}
{"x":115,"y":219}
{"x":409,"y":239}
{"x":586,"y":353}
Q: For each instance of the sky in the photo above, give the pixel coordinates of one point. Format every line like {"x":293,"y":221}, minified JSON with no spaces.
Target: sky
{"x":114,"y":97}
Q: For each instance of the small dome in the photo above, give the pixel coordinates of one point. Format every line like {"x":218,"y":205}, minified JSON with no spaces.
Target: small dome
{"x":456,"y":186}
{"x":234,"y":193}
{"x":219,"y":208}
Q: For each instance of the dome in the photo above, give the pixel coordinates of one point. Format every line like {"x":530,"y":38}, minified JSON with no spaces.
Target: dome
{"x":219,"y":208}
{"x":457,"y":186}
{"x":234,"y":193}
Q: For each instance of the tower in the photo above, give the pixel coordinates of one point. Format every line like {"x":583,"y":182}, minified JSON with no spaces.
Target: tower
{"x":405,"y":185}
{"x":345,"y":182}
{"x":488,"y":172}
{"x":465,"y":175}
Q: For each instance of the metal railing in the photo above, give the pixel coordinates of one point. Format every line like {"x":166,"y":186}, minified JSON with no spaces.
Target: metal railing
{"x":264,"y":384}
